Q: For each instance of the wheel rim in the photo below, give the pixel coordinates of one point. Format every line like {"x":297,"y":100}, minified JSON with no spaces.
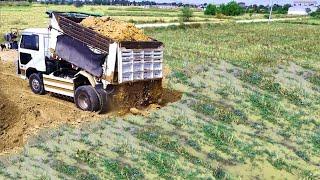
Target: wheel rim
{"x":83,"y":101}
{"x":35,"y":84}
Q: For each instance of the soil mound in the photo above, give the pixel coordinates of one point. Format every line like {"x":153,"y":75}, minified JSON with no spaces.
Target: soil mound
{"x":115,"y":30}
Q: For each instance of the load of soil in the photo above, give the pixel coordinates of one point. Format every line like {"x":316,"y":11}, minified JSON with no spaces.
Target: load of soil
{"x":23,"y":114}
{"x":115,"y":30}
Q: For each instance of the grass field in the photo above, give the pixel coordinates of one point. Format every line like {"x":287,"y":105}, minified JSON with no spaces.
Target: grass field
{"x":249,"y":110}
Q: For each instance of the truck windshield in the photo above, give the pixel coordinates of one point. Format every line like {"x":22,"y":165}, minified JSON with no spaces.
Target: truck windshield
{"x":30,"y":42}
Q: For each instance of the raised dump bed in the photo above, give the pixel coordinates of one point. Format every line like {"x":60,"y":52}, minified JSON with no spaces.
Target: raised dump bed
{"x":136,"y":61}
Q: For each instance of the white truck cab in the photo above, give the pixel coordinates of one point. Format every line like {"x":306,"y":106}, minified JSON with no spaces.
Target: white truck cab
{"x":33,"y":50}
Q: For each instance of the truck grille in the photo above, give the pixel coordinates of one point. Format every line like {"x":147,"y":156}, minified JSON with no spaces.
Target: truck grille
{"x":140,"y":64}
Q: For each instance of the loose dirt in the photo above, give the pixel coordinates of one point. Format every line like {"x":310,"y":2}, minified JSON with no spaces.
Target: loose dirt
{"x":23,"y":113}
{"x":115,"y":30}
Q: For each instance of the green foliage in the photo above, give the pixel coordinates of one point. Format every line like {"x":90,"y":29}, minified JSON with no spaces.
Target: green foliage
{"x":205,"y":108}
{"x":316,"y":14}
{"x":211,"y":9}
{"x":254,"y":78}
{"x":86,"y":157}
{"x":231,"y":9}
{"x":278,"y":9}
{"x":186,"y":14}
{"x":266,"y":104}
{"x":220,"y":173}
{"x":303,"y":155}
{"x":219,"y":134}
{"x":121,"y":171}
{"x":315,"y":140}
{"x":64,"y":168}
{"x":194,"y":144}
{"x":181,"y":77}
{"x":163,"y":163}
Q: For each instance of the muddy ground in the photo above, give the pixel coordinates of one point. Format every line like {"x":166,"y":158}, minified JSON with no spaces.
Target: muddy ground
{"x":23,"y":113}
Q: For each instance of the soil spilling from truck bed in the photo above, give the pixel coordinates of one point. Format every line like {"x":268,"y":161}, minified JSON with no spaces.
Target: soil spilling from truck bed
{"x":115,"y":30}
{"x":23,"y":114}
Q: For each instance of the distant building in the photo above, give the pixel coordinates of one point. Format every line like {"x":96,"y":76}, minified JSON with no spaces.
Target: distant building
{"x":303,"y":7}
{"x":242,"y":4}
{"x":305,"y":3}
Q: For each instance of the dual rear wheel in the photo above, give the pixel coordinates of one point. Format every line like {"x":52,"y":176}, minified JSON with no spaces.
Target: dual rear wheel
{"x":92,"y":99}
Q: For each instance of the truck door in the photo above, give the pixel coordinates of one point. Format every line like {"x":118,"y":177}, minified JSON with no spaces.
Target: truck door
{"x":31,"y":54}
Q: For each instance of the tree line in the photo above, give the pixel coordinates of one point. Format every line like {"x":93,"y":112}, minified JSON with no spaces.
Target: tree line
{"x":234,"y":9}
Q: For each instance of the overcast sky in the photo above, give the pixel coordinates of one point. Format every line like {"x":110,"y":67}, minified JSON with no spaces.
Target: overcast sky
{"x":224,"y":1}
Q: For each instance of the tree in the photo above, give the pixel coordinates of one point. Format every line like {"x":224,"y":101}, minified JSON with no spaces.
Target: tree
{"x":210,"y":10}
{"x":231,"y":9}
{"x":316,"y":14}
{"x":186,"y":14}
{"x":30,"y":1}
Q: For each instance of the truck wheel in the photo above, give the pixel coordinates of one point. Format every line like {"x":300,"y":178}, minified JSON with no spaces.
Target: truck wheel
{"x":87,"y":99}
{"x":36,"y":83}
{"x":103,"y":100}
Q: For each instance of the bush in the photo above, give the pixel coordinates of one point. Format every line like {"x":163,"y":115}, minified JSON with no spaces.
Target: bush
{"x":77,"y":4}
{"x":315,"y":14}
{"x":231,"y":9}
{"x":211,"y":10}
{"x":186,"y":14}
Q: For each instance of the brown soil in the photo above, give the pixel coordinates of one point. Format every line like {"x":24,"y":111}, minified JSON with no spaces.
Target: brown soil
{"x":23,"y":113}
{"x":115,"y":30}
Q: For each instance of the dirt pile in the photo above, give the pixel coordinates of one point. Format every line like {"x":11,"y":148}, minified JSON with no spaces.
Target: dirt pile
{"x":115,"y":30}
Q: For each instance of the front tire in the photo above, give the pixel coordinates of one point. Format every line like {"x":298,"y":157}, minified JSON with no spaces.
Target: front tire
{"x":87,"y":99}
{"x":36,"y":83}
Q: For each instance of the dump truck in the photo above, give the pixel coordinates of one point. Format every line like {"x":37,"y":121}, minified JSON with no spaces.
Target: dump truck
{"x":96,"y":72}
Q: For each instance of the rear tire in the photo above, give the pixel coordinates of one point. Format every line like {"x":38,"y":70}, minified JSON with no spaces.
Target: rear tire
{"x":87,"y":99}
{"x":36,"y":83}
{"x":103,"y":98}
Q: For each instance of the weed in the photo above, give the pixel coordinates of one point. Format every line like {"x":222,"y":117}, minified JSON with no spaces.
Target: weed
{"x":88,"y":177}
{"x":86,"y":157}
{"x":121,"y":171}
{"x":294,"y":97}
{"x":266,"y":104}
{"x":205,"y":108}
{"x":220,"y":173}
{"x":194,"y":144}
{"x":64,"y":168}
{"x":181,"y":77}
{"x":164,"y":163}
{"x":303,"y":155}
{"x":315,"y":140}
{"x":214,"y":156}
{"x":178,"y":121}
{"x":150,"y":135}
{"x":254,"y":78}
{"x":221,"y":136}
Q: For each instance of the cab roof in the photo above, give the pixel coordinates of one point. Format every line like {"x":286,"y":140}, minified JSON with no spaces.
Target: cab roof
{"x":35,"y":31}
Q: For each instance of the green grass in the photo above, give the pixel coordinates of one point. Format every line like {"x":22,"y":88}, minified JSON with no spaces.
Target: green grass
{"x":250,"y":109}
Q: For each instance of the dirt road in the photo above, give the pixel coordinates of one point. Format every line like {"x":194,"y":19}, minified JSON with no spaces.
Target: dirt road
{"x":23,"y":113}
{"x":158,"y":25}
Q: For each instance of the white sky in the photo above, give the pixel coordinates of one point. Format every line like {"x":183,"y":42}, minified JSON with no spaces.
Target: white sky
{"x":225,"y":1}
